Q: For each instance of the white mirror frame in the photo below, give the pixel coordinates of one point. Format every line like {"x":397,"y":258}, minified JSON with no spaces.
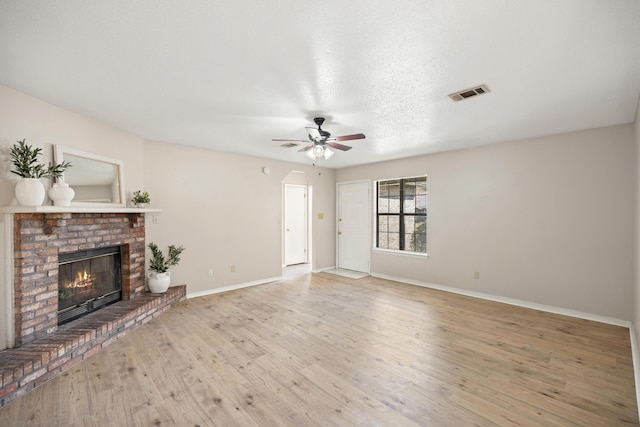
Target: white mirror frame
{"x":59,"y":156}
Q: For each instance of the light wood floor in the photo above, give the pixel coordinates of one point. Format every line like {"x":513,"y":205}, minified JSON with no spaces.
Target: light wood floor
{"x":322,"y":350}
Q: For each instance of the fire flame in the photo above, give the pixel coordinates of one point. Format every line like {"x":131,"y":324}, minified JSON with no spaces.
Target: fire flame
{"x":83,"y":280}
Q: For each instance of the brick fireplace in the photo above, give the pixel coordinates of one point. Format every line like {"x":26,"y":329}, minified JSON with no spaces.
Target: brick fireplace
{"x":38,"y":240}
{"x":42,"y":349}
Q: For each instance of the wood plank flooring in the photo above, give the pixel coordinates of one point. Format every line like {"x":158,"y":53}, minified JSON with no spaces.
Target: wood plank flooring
{"x":325,"y":350}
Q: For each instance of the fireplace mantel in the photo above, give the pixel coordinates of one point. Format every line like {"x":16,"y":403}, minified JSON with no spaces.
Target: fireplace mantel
{"x":74,"y":209}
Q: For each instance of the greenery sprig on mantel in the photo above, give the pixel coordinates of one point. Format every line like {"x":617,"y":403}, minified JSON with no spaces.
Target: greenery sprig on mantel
{"x":140,"y":197}
{"x":25,"y":162}
{"x":158,"y":263}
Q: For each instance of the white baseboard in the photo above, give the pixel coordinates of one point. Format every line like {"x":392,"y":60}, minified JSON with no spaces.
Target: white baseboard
{"x":512,"y":301}
{"x":232,"y":287}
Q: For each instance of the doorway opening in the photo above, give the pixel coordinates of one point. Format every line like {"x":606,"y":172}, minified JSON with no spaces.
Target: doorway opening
{"x":297,"y":224}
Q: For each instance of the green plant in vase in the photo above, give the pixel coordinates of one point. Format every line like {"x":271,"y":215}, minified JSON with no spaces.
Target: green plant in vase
{"x":160,"y":278}
{"x":140,"y":198}
{"x":30,"y":190}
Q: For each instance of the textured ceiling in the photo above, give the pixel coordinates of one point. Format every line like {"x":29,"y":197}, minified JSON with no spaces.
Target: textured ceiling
{"x":231,"y":76}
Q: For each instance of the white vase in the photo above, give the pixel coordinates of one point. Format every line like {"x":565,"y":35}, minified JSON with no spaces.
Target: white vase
{"x":30,"y":192}
{"x":159,"y":282}
{"x":61,"y":194}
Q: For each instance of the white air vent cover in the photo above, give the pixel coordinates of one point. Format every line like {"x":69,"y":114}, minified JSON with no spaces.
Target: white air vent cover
{"x":469,"y":93}
{"x":289,"y":145}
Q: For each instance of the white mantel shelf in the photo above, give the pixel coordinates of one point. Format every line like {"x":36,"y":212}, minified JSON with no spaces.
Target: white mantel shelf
{"x":74,"y":209}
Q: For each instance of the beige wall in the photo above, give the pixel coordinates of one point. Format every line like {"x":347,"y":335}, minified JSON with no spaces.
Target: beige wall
{"x":226,"y":212}
{"x":43,"y":125}
{"x":636,"y":296}
{"x":545,"y":220}
{"x":635,"y":338}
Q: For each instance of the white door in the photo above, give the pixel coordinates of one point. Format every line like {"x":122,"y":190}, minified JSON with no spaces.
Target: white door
{"x":354,"y":226}
{"x":295,"y":224}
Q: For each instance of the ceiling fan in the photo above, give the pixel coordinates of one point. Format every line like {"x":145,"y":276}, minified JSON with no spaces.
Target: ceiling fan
{"x":320,"y":141}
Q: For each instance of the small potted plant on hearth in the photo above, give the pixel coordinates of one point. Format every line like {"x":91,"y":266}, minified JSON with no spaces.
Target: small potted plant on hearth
{"x":160,"y":278}
{"x":30,"y":190}
{"x":140,"y":198}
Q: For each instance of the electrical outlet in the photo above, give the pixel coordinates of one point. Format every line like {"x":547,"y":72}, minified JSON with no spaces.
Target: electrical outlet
{"x":155,"y":219}
{"x":476,"y":275}
{"x":211,"y":272}
{"x":233,"y":268}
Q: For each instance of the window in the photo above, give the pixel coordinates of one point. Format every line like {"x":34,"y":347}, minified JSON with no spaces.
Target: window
{"x":401,"y":211}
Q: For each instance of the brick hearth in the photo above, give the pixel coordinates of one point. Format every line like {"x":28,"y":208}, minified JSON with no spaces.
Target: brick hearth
{"x":42,"y":349}
{"x":24,"y":368}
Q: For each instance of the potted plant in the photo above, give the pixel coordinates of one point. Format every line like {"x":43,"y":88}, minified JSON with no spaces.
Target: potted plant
{"x":30,"y":190}
{"x":140,"y":199}
{"x":160,"y":278}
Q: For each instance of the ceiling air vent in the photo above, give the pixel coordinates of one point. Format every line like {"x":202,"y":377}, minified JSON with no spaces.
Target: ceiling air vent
{"x":468,"y":93}
{"x":289,"y":145}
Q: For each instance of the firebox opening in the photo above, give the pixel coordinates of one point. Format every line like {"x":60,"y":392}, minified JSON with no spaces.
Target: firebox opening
{"x":87,"y":281}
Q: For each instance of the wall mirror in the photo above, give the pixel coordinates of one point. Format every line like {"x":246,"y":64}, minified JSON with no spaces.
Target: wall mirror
{"x":96,"y":180}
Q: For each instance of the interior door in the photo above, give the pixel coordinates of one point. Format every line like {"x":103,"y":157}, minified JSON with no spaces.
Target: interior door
{"x":295,"y":224}
{"x":354,"y":226}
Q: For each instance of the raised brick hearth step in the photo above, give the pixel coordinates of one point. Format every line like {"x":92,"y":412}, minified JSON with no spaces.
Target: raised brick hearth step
{"x":26,"y":367}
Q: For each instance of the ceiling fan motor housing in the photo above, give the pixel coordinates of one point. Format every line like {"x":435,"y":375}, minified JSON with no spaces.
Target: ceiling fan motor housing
{"x":323,"y":133}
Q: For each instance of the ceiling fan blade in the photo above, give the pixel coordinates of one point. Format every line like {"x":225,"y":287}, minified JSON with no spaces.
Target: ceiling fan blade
{"x":338,"y":146}
{"x":289,"y":140}
{"x":350,"y":137}
{"x":307,"y":148}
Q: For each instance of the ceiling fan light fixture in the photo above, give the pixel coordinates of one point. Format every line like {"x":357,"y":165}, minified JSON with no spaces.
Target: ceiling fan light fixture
{"x":310,"y":154}
{"x":328,"y":152}
{"x":318,"y":150}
